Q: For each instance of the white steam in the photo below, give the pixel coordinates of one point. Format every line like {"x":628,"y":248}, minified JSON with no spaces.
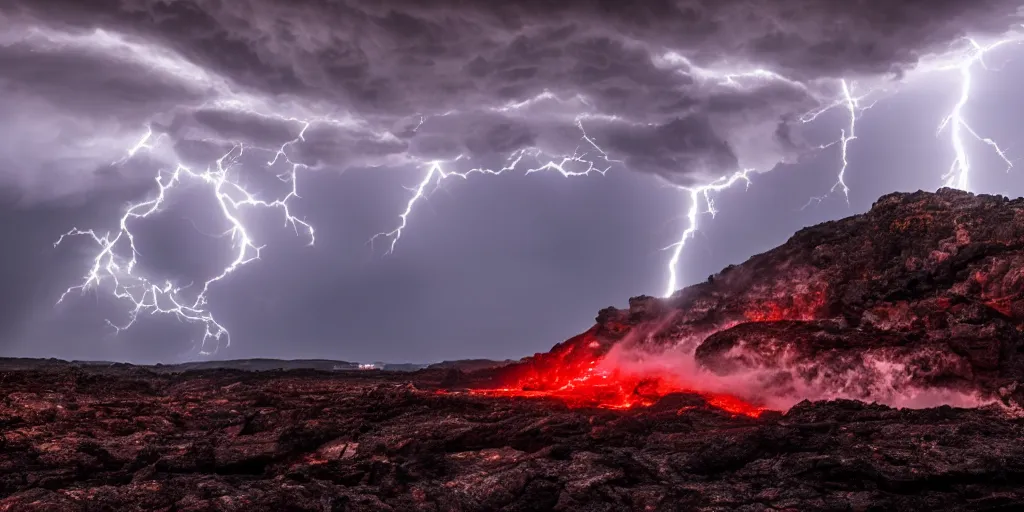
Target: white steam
{"x":887,"y":375}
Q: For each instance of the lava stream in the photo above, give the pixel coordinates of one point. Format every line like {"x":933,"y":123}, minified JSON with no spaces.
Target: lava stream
{"x":588,"y":384}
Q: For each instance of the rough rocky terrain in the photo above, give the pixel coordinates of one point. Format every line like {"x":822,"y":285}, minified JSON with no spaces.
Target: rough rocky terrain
{"x":924,"y":292}
{"x":925,"y":289}
{"x":82,"y":440}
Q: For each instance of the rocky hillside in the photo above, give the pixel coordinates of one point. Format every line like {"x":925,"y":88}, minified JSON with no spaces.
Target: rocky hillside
{"x":924,"y":291}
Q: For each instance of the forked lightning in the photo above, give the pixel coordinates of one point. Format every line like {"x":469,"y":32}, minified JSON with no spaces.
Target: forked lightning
{"x":579,"y":163}
{"x":959,"y":171}
{"x":118,"y":256}
{"x":956,"y":177}
{"x":691,"y":216}
{"x":852,"y":104}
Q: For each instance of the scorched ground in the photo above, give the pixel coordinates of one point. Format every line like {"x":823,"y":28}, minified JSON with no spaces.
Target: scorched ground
{"x":132,"y":439}
{"x":695,"y":402}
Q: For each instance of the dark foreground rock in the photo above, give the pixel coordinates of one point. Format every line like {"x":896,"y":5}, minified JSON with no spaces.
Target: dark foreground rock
{"x":83,"y":440}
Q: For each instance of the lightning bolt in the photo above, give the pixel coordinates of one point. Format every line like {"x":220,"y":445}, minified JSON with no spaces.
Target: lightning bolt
{"x":691,"y":215}
{"x":959,"y":171}
{"x":854,"y":108}
{"x":117,"y":257}
{"x":957,"y":175}
{"x":740,"y":79}
{"x":581,"y":161}
{"x":851,"y":103}
{"x":145,"y":142}
{"x":436,"y":172}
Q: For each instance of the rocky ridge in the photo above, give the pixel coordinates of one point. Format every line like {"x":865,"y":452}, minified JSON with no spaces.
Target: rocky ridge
{"x":925,"y":288}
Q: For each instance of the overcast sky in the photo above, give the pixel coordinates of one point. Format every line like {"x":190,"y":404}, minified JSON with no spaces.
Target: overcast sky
{"x":491,"y":266}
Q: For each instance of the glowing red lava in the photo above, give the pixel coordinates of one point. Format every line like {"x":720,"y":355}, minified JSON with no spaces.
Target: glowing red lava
{"x":585,"y":382}
{"x":794,"y":307}
{"x":609,"y":391}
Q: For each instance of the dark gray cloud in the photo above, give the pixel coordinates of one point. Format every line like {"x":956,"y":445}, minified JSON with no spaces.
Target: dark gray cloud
{"x":650,"y":76}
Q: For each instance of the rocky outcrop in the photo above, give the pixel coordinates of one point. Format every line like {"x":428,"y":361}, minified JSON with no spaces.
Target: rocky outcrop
{"x":931,"y":284}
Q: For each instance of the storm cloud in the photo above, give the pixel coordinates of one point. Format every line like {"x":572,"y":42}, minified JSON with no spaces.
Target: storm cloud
{"x":98,"y":97}
{"x":394,"y":83}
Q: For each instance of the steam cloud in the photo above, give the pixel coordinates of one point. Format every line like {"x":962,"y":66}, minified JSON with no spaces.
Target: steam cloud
{"x":882,"y":375}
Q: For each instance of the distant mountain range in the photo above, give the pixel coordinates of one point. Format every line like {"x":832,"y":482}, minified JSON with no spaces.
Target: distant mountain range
{"x":258,"y":364}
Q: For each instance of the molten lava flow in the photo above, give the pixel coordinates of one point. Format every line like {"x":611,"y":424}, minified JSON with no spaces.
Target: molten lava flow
{"x":729,"y":403}
{"x":574,"y":374}
{"x":610,"y":389}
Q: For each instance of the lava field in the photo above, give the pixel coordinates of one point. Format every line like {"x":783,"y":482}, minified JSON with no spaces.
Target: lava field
{"x":870,"y":363}
{"x":83,"y":440}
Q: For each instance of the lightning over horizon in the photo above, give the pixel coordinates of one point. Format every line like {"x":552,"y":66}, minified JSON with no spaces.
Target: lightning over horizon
{"x":849,"y":102}
{"x":691,"y":216}
{"x":959,"y":170}
{"x":340,"y":100}
{"x":144,"y":295}
{"x":730,"y":77}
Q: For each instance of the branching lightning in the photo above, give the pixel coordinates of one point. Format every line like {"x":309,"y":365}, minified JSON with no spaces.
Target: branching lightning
{"x":118,"y":256}
{"x":737,"y":79}
{"x":691,"y":216}
{"x":959,"y":171}
{"x":957,"y":176}
{"x":854,"y":109}
{"x":579,"y":163}
{"x":116,"y":260}
{"x":436,"y":172}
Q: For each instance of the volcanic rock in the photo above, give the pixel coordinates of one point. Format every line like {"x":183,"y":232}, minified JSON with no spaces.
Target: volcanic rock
{"x":927,"y":288}
{"x":224,"y":440}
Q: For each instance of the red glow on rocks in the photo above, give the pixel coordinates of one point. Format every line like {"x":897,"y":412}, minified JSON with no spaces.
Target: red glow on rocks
{"x":734,"y":405}
{"x":1004,"y":305}
{"x":609,"y":389}
{"x":581,"y":379}
{"x":795,"y":307}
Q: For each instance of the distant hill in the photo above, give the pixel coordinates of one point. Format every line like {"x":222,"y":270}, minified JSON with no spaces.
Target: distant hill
{"x":471,"y":365}
{"x":258,"y":364}
{"x":19,"y":363}
{"x":262,"y":365}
